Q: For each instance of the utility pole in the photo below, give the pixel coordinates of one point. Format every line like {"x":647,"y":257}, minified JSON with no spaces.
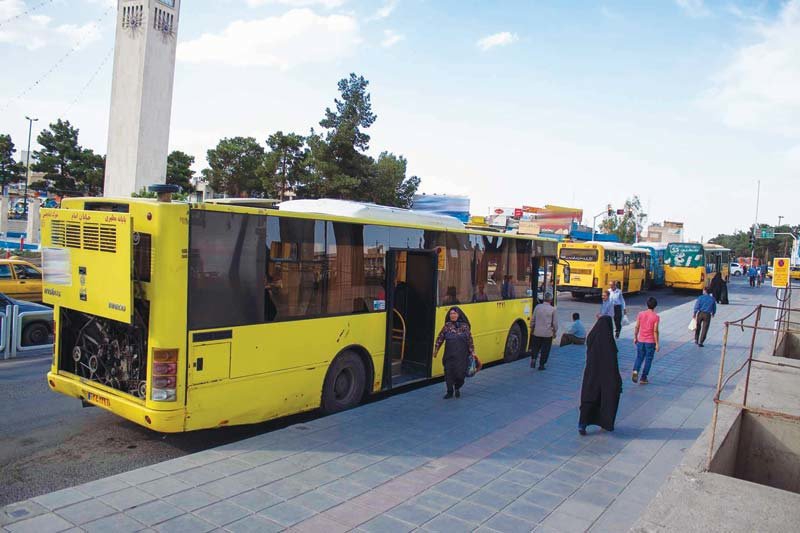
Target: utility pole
{"x":755,"y":223}
{"x":28,"y":163}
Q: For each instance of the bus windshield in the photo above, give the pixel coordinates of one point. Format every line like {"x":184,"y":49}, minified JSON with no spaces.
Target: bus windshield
{"x":578,"y":254}
{"x":684,"y":255}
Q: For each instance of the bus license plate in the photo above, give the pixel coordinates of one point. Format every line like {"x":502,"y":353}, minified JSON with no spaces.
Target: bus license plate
{"x":97,"y":399}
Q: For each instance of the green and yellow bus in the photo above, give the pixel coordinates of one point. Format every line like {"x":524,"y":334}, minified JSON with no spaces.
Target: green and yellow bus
{"x":690,"y":265}
{"x":183,"y":316}
{"x":594,"y":265}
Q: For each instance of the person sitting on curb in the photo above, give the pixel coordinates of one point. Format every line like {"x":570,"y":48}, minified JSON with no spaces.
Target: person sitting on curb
{"x":575,"y":332}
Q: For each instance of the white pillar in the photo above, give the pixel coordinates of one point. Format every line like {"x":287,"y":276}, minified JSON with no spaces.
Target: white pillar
{"x":4,"y":215}
{"x":34,"y":225}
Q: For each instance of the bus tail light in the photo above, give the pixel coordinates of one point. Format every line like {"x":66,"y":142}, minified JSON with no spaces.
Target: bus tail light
{"x":164,"y":375}
{"x":594,"y":283}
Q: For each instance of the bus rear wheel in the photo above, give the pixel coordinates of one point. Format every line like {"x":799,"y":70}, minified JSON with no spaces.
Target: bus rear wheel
{"x":578,"y":295}
{"x":513,"y":344}
{"x":344,"y":383}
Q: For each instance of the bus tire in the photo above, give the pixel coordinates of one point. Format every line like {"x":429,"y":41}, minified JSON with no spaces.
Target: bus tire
{"x":578,"y":295}
{"x":513,"y":344}
{"x":344,"y":383}
{"x":35,"y":333}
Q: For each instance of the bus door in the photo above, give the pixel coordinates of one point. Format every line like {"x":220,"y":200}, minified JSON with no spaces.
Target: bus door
{"x":543,"y":278}
{"x":411,"y":281}
{"x":626,"y":271}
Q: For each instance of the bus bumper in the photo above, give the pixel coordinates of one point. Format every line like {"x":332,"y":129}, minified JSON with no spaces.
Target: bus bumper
{"x":163,"y":421}
{"x":579,"y":290}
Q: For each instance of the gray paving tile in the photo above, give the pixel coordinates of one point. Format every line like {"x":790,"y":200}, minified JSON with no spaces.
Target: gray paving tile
{"x":126,"y":498}
{"x":222,"y":513}
{"x":198,"y":476}
{"x":287,"y":488}
{"x":83,"y":512}
{"x":185,"y":524}
{"x":556,"y":487}
{"x":228,"y":467}
{"x":506,"y":488}
{"x":472,"y":512}
{"x":164,"y":486}
{"x":317,"y":500}
{"x":255,"y":500}
{"x":344,"y":488}
{"x":526,"y":510}
{"x":60,"y":498}
{"x":445,"y":523}
{"x":386,"y":524}
{"x":45,"y":523}
{"x":491,"y":499}
{"x":506,"y":523}
{"x":521,"y":477}
{"x":118,"y":523}
{"x":191,"y":499}
{"x":435,"y":500}
{"x":412,"y":513}
{"x":540,"y":498}
{"x":102,"y":486}
{"x":454,"y":488}
{"x":225,"y":487}
{"x":141,"y":475}
{"x":287,"y":513}
{"x":154,"y":513}
{"x":254,"y":524}
{"x":565,"y":523}
{"x":473,"y":477}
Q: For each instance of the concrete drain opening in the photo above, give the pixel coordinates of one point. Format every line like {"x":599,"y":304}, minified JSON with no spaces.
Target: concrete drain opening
{"x":761,"y":449}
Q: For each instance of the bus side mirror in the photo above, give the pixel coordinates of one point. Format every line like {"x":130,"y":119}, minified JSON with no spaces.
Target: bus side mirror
{"x":566,"y":274}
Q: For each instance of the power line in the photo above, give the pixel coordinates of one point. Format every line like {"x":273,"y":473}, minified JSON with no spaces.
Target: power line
{"x":60,"y":61}
{"x":89,"y":82}
{"x":28,"y":11}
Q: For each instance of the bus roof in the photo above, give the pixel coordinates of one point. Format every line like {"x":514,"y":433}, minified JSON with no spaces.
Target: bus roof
{"x":615,"y":246}
{"x":370,"y":212}
{"x":653,"y":245}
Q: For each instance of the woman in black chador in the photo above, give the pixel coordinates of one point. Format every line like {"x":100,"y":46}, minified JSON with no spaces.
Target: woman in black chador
{"x":715,"y":287}
{"x":458,"y":347}
{"x":602,"y":384}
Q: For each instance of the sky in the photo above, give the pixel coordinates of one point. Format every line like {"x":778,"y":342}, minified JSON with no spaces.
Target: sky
{"x":685,"y":103}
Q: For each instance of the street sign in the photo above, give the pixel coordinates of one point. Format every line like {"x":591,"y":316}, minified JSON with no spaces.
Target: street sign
{"x":780,"y":272}
{"x":767,"y":233}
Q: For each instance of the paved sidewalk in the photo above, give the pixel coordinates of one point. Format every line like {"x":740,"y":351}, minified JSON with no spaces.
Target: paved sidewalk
{"x":506,"y":457}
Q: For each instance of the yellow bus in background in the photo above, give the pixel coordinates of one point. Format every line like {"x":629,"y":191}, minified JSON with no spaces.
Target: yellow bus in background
{"x":182,"y":316}
{"x":691,"y":266}
{"x":594,"y":265}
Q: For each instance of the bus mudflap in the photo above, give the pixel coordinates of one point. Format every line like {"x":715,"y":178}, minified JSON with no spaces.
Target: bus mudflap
{"x":87,"y":262}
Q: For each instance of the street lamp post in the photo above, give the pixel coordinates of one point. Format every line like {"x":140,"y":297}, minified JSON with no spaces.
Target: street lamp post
{"x":594,"y":219}
{"x":780,"y":217}
{"x":28,"y":163}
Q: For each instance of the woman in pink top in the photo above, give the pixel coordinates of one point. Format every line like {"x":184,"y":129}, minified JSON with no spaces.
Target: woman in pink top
{"x":645,"y":337}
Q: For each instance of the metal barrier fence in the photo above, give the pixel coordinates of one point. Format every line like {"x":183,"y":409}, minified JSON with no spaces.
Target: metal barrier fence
{"x":12,"y":326}
{"x":781,"y":328}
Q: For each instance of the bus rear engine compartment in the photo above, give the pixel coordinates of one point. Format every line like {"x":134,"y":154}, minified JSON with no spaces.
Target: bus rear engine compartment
{"x":106,"y":351}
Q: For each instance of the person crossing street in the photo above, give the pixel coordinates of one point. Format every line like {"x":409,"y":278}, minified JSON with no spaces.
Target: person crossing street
{"x":618,"y":301}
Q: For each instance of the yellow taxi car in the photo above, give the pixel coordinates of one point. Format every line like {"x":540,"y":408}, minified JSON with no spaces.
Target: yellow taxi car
{"x":20,"y":279}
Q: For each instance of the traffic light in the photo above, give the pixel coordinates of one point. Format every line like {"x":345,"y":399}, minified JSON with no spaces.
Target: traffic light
{"x":610,"y":211}
{"x":752,"y":240}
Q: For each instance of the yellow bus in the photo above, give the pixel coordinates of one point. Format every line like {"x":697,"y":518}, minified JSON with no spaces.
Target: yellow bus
{"x":594,"y":265}
{"x":183,"y":316}
{"x":690,"y":265}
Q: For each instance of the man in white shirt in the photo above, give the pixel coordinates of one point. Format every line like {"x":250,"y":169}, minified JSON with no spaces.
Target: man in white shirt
{"x":618,"y":301}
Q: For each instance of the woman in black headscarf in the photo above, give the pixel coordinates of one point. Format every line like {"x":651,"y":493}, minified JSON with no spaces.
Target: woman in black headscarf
{"x":715,"y":287}
{"x":602,"y":384}
{"x":458,"y":346}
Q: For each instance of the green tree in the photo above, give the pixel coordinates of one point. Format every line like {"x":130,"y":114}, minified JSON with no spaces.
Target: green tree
{"x":285,"y":165}
{"x":337,"y":160}
{"x":179,"y":170}
{"x":628,"y":225}
{"x":67,"y":166}
{"x":388,"y":184}
{"x":10,"y":170}
{"x":235,"y":167}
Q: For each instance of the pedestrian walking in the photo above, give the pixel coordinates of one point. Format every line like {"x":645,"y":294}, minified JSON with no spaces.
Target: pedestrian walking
{"x":705,"y":307}
{"x":618,"y":301}
{"x":645,"y":337}
{"x":456,"y":335}
{"x":575,"y":332}
{"x":716,"y":287}
{"x":544,"y":326}
{"x":752,"y":273}
{"x":602,"y":384}
{"x":606,"y":305}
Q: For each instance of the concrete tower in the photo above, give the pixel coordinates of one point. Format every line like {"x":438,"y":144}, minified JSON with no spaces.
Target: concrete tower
{"x":141,"y":95}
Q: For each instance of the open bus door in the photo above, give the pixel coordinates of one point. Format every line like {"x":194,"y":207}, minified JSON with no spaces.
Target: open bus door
{"x":411,"y":281}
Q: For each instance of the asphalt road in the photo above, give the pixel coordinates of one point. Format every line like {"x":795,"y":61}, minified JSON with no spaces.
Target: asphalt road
{"x":49,"y":442}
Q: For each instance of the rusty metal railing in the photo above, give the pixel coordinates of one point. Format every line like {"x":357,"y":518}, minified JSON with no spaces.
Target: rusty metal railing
{"x":782,"y":326}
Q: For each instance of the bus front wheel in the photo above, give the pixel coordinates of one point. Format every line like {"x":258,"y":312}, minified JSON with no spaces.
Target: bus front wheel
{"x":344,"y":383}
{"x":513,"y":344}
